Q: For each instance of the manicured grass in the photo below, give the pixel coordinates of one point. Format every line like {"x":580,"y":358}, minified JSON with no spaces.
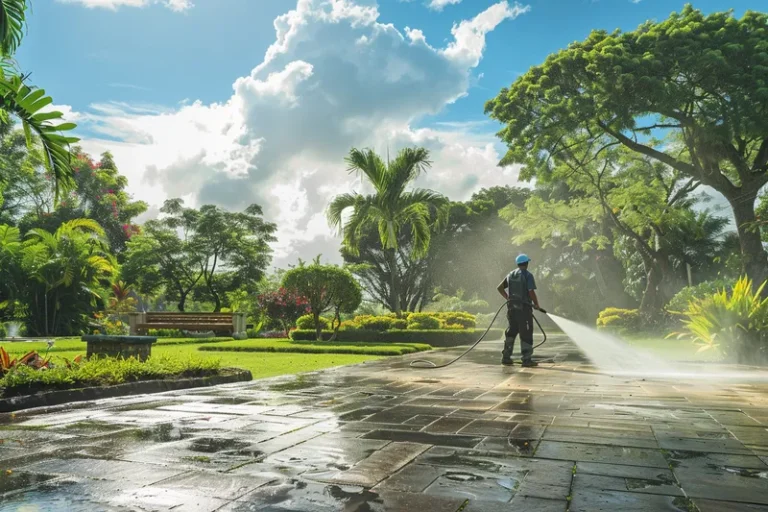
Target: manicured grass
{"x":312,"y":347}
{"x":261,"y":364}
{"x":673,"y":349}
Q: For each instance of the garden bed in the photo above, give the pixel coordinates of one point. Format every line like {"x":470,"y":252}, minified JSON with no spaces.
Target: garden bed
{"x":170,"y":383}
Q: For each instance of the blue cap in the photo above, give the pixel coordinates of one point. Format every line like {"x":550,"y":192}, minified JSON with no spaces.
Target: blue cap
{"x":523,"y":258}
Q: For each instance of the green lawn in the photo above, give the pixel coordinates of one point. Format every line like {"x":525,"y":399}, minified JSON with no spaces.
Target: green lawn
{"x":673,"y":349}
{"x":261,"y":364}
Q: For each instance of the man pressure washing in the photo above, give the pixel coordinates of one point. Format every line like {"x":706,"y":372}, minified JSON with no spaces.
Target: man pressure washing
{"x":519,"y":288}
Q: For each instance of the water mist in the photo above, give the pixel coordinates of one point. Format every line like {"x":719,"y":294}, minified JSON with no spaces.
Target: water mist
{"x":612,"y":356}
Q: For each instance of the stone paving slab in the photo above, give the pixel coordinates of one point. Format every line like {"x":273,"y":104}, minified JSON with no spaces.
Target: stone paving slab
{"x":381,"y":436}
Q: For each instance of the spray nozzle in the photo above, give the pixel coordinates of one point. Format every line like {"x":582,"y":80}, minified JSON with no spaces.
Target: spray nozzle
{"x":543,"y":310}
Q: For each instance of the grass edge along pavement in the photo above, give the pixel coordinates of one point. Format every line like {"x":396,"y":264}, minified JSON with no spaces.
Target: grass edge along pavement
{"x":264,"y":363}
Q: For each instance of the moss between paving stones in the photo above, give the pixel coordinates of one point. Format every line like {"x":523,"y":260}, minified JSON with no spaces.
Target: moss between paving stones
{"x":52,"y":398}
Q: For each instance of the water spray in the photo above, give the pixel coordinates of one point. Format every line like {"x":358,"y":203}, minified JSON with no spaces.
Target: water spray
{"x":423,"y":364}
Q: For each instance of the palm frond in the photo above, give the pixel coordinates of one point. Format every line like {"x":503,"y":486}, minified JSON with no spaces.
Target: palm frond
{"x":367,"y":162}
{"x":406,"y":167}
{"x":336,"y":209}
{"x":27,"y":104}
{"x":12,"y":24}
{"x":83,"y":225}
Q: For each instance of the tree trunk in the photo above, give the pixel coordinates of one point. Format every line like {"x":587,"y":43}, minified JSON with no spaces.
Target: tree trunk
{"x":753,"y":255}
{"x":182,"y":301}
{"x":655,"y":296}
{"x":395,"y":291}
{"x":318,"y":327}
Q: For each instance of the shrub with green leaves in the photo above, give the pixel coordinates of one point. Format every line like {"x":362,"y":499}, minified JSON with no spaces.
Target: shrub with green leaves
{"x":375,"y":323}
{"x":680,"y":301}
{"x":107,"y":372}
{"x":618,"y":320}
{"x":423,"y":322}
{"x":734,"y":322}
{"x":452,"y":319}
{"x":308,"y":322}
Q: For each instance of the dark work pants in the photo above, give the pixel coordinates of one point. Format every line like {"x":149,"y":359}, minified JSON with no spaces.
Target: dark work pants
{"x":520,"y":322}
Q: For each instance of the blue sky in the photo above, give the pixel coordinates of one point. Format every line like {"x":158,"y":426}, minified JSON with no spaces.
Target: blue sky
{"x":183,"y":95}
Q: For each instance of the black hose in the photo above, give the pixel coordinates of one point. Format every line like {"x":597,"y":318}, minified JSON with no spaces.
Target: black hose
{"x":433,"y":366}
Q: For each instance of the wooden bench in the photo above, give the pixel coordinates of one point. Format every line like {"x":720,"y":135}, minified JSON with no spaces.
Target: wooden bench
{"x":232,"y":324}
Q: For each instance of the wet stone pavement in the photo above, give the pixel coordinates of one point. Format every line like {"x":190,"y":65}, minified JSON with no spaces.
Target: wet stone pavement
{"x":475,"y":437}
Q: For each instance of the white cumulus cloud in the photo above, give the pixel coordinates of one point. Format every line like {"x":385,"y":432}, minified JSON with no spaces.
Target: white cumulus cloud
{"x":439,"y":5}
{"x":174,"y":5}
{"x":336,"y":77}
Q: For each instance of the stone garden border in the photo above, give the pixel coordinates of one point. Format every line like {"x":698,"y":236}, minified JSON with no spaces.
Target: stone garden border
{"x":53,"y":398}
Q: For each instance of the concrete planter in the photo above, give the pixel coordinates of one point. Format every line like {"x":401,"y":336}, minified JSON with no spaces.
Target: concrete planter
{"x":139,"y":347}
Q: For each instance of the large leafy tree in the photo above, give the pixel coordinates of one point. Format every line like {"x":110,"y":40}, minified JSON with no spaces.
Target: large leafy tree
{"x":372,"y":265}
{"x":392,"y":208}
{"x":475,"y":249}
{"x":699,"y":81}
{"x":25,"y":187}
{"x":28,"y":104}
{"x":208,"y":250}
{"x":99,"y":193}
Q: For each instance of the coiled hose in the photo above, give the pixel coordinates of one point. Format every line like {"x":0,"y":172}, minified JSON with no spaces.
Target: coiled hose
{"x":424,"y":364}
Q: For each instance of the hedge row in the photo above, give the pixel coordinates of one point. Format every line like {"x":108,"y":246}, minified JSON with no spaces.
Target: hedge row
{"x":435,"y":338}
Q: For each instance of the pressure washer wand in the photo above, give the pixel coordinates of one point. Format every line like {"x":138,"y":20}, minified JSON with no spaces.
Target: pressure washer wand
{"x":429,"y":365}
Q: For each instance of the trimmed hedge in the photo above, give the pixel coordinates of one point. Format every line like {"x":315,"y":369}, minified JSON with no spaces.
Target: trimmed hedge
{"x":305,"y":347}
{"x":435,"y":338}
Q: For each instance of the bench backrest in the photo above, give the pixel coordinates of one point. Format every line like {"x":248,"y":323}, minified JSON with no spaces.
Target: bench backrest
{"x":189,"y":318}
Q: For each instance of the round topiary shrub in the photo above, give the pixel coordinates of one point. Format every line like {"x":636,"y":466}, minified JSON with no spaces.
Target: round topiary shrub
{"x":399,"y":323}
{"x":618,"y":320}
{"x":423,"y":321}
{"x":375,"y":323}
{"x":459,"y":318}
{"x":307,"y":322}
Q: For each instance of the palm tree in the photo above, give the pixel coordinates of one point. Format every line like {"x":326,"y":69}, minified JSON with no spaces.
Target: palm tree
{"x":390,"y":208}
{"x":27,"y":103}
{"x":71,"y":263}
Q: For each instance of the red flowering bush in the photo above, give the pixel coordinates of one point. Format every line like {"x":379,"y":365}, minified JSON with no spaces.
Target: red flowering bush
{"x":283,"y":306}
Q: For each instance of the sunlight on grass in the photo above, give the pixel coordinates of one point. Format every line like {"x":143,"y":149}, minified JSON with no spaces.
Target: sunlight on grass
{"x":261,"y":364}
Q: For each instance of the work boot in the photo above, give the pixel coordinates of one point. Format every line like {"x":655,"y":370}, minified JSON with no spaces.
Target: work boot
{"x":530,"y":364}
{"x":507,"y":362}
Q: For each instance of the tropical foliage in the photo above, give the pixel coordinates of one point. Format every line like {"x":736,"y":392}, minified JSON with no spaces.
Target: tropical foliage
{"x":392,"y":209}
{"x":734,"y":322}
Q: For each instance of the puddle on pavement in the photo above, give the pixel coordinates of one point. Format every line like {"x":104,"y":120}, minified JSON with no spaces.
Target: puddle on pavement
{"x":295,"y":495}
{"x":216,"y":444}
{"x":675,"y":457}
{"x":455,"y":460}
{"x":232,"y":400}
{"x":143,"y":406}
{"x":164,"y":433}
{"x":748,"y":473}
{"x":16,"y":481}
{"x":463,"y":477}
{"x":300,"y":382}
{"x":634,"y":484}
{"x":55,"y":497}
